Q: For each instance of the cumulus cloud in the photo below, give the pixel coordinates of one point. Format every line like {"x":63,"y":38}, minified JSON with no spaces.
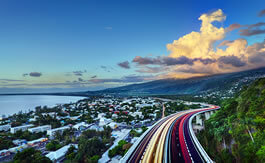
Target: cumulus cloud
{"x":231,"y":60}
{"x":199,"y":44}
{"x":124,"y":64}
{"x":35,"y":74}
{"x":197,"y":53}
{"x":261,"y":13}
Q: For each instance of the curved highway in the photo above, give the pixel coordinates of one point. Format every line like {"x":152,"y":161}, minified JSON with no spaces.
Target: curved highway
{"x":171,"y":139}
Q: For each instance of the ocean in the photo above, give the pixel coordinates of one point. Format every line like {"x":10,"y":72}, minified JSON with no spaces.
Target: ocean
{"x":11,"y":104}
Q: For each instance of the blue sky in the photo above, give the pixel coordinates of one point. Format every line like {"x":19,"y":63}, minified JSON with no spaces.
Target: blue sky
{"x":57,"y":38}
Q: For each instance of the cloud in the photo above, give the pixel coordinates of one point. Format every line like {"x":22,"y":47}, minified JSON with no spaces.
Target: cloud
{"x":32,"y":74}
{"x":261,"y":13}
{"x":233,"y":27}
{"x":107,"y":68}
{"x":93,"y":76}
{"x":80,"y":79}
{"x":108,"y":28}
{"x":79,"y":73}
{"x":197,"y":54}
{"x":35,"y":74}
{"x":199,"y":44}
{"x":232,"y":60}
{"x":152,"y":70}
{"x":253,"y":29}
{"x":125,"y":79}
{"x":25,"y":74}
{"x":124,"y":64}
{"x":170,"y":61}
{"x":11,"y":80}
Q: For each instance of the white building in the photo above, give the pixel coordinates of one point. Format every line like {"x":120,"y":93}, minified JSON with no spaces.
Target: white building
{"x":34,"y":142}
{"x":40,"y":129}
{"x":52,"y":114}
{"x":5,"y":127}
{"x":79,"y":125}
{"x":60,"y":153}
{"x":60,"y":129}
{"x":134,"y":114}
{"x":97,"y":128}
{"x":113,"y":125}
{"x":104,"y":121}
{"x":22,"y":128}
{"x":18,"y":148}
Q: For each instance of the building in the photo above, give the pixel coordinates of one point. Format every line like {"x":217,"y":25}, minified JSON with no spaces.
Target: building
{"x":5,"y":127}
{"x":113,"y":125}
{"x":37,"y":142}
{"x":18,"y":148}
{"x":4,"y":153}
{"x":2,"y":117}
{"x":60,"y":129}
{"x":22,"y":128}
{"x":97,"y":128}
{"x":52,"y":114}
{"x":80,"y":125}
{"x":19,"y":141}
{"x":40,"y":129}
{"x":60,"y":153}
{"x":139,"y":114}
{"x":104,"y":121}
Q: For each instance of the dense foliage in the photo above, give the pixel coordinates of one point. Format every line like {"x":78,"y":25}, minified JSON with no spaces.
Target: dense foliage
{"x":237,"y":131}
{"x":120,"y":149}
{"x":91,"y":145}
{"x":30,"y":155}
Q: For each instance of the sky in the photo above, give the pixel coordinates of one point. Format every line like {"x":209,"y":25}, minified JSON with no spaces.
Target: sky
{"x":67,"y":45}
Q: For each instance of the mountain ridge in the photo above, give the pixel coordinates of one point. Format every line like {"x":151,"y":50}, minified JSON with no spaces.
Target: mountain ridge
{"x":193,"y":85}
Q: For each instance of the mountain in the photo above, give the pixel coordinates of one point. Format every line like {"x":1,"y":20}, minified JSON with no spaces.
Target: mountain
{"x":194,"y":85}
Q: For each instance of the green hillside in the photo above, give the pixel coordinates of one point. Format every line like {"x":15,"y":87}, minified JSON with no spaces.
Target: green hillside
{"x":236,"y":133}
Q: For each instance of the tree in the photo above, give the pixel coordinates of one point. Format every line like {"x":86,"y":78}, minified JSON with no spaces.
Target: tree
{"x":70,"y":154}
{"x":53,"y":145}
{"x":30,"y":155}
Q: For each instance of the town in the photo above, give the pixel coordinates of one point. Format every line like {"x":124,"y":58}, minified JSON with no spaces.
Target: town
{"x":93,"y":129}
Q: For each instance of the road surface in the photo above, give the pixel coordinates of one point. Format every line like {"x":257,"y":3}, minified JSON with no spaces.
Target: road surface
{"x":169,"y":140}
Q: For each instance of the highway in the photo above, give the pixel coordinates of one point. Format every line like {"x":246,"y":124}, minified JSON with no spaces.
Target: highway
{"x":170,"y":140}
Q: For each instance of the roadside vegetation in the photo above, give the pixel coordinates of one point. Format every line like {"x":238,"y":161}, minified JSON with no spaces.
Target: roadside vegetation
{"x":121,"y":149}
{"x":236,"y":133}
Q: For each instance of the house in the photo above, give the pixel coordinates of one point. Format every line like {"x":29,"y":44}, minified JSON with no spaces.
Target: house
{"x":5,"y":127}
{"x":60,"y":129}
{"x":60,"y":153}
{"x":22,"y":128}
{"x":40,"y":129}
{"x":80,"y":125}
{"x":37,"y":141}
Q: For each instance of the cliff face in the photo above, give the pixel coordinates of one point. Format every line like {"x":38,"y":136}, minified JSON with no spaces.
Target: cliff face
{"x":237,"y":131}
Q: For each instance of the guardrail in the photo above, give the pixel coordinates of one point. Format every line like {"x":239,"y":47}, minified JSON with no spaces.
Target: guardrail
{"x":195,"y":140}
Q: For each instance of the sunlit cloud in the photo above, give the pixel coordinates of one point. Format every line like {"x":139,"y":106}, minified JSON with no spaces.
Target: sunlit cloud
{"x":196,"y":53}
